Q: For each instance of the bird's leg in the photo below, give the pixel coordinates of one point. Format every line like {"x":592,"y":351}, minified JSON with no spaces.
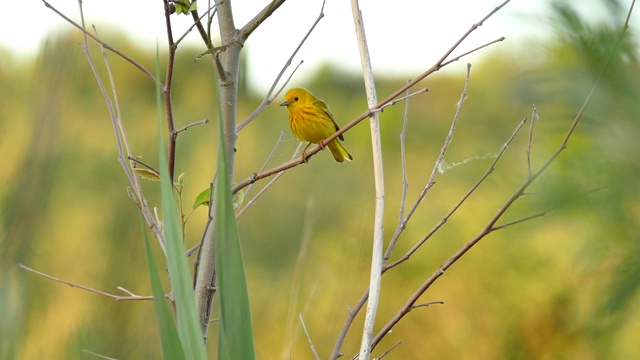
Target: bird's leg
{"x":304,"y":152}
{"x":321,"y":144}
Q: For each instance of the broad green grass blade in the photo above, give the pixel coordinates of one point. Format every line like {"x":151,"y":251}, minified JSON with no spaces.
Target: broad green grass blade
{"x":235,"y":339}
{"x":169,"y":339}
{"x":181,"y":283}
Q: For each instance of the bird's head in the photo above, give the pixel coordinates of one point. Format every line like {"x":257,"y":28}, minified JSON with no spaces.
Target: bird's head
{"x":297,"y":96}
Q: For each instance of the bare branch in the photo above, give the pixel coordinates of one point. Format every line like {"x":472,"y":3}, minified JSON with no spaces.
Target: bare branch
{"x":102,"y":43}
{"x":502,"y":38}
{"x":489,"y":227}
{"x":268,"y":98}
{"x":521,"y":220}
{"x":389,"y":350}
{"x":406,"y":97}
{"x":534,"y":118}
{"x":313,"y":348}
{"x":264,"y":165}
{"x":120,"y":134}
{"x":112,"y":296}
{"x":203,"y":121}
{"x":197,"y":23}
{"x":434,"y":171}
{"x":266,"y":187}
{"x":462,"y":200}
{"x":403,"y":159}
{"x":428,"y":304}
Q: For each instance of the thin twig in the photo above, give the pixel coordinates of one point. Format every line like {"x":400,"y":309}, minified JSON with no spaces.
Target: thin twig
{"x":203,"y":121}
{"x":112,"y":296}
{"x":119,"y":132}
{"x":102,"y":43}
{"x":313,"y":348}
{"x":196,"y":23}
{"x":403,"y":98}
{"x":268,"y":98}
{"x":297,"y":281}
{"x":473,"y":188}
{"x":534,"y":117}
{"x":138,"y":161}
{"x":500,"y":39}
{"x":538,"y":214}
{"x":403,"y":159}
{"x":97,"y":355}
{"x":428,"y":304}
{"x":266,"y":187}
{"x":389,"y":350}
{"x":521,"y":220}
{"x":434,"y":171}
{"x":271,"y":154}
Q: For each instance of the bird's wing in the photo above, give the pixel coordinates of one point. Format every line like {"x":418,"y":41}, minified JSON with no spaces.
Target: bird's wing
{"x":322,"y":105}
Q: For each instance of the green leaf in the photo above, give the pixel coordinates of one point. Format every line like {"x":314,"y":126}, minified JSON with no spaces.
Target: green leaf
{"x":203,"y":198}
{"x":183,"y":6}
{"x":169,"y":339}
{"x":235,"y":335}
{"x":181,"y":283}
{"x":238,"y":198}
{"x":147,"y":174}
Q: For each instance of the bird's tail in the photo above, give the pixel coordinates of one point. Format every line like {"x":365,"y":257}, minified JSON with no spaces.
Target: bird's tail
{"x":339,"y":152}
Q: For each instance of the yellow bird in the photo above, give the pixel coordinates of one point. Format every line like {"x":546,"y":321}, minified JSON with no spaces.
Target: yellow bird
{"x":311,"y":121}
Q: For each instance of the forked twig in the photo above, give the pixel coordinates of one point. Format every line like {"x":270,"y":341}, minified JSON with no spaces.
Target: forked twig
{"x":197,"y":23}
{"x":403,"y":98}
{"x":403,"y":221}
{"x":268,"y":97}
{"x":466,"y":196}
{"x":102,"y":43}
{"x":264,"y":165}
{"x":267,"y":186}
{"x":490,"y":226}
{"x":119,"y":132}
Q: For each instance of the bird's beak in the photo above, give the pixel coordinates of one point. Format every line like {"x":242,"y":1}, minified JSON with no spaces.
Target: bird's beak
{"x":286,"y":103}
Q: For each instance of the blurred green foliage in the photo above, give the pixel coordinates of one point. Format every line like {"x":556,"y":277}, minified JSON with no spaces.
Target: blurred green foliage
{"x":561,"y":286}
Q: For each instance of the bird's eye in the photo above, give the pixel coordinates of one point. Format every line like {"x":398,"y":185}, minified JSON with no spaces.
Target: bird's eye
{"x":295,"y":98}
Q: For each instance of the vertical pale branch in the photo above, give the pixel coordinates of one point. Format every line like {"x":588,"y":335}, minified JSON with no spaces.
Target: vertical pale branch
{"x":227,"y":64}
{"x":376,"y":146}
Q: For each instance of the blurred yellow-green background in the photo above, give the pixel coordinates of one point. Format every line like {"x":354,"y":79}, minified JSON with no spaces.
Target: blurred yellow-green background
{"x":561,"y":286}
